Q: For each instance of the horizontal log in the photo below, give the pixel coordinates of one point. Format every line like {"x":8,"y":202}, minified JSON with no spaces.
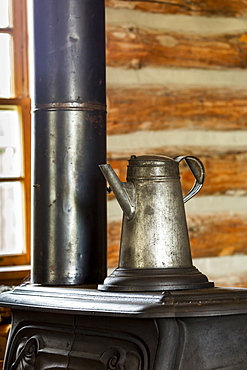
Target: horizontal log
{"x":217,"y":235}
{"x":154,"y":108}
{"x":114,"y":232}
{"x":210,"y":236}
{"x":234,"y":280}
{"x":225,"y":170}
{"x":224,"y":8}
{"x":135,"y":47}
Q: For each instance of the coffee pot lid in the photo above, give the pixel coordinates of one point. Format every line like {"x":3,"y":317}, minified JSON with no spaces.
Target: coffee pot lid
{"x":151,"y":159}
{"x":151,"y":166}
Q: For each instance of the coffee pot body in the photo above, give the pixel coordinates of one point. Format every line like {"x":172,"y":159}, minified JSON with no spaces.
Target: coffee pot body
{"x":154,"y":238}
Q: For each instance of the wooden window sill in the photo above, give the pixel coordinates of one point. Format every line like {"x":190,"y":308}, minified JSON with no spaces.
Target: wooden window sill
{"x":14,"y":275}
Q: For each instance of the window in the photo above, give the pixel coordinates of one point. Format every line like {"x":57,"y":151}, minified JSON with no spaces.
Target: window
{"x":14,"y":135}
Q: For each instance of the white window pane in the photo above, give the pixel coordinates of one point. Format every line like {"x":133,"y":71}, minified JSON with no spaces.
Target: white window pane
{"x":10,"y":144}
{"x":4,"y":13}
{"x":5,"y":65}
{"x":11,"y":218}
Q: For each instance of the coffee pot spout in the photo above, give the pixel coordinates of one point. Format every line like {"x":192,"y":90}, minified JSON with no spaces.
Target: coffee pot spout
{"x":124,"y":192}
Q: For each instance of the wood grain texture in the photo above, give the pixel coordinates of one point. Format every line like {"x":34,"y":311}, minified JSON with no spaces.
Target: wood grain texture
{"x":154,"y":108}
{"x":114,"y":233}
{"x":225,"y":170}
{"x":225,"y":8}
{"x":218,"y":235}
{"x":210,"y":236}
{"x":231,"y":280}
{"x":135,"y":47}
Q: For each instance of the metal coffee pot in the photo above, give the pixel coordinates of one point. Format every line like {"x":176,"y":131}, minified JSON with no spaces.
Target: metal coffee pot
{"x":154,"y":250}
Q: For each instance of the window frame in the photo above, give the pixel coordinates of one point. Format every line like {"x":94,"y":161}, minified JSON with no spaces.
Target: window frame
{"x":21,"y":99}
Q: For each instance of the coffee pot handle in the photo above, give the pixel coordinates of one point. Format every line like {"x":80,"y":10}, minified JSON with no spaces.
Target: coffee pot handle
{"x":198,"y":171}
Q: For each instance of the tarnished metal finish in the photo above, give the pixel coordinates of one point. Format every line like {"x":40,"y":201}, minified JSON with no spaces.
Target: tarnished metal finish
{"x":155,"y":279}
{"x":197,"y":169}
{"x":69,"y":328}
{"x":69,"y":51}
{"x":124,"y":191}
{"x":155,"y":249}
{"x":69,"y":228}
{"x":164,"y":304}
{"x":69,"y":105}
{"x":156,"y":235}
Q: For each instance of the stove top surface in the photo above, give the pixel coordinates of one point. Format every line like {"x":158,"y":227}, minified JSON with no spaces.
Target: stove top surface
{"x":181,"y":303}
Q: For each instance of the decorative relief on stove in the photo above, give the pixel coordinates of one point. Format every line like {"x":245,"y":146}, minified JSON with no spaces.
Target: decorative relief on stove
{"x":40,"y":347}
{"x":114,"y":358}
{"x":115,"y":364}
{"x":26,"y":353}
{"x":117,"y":358}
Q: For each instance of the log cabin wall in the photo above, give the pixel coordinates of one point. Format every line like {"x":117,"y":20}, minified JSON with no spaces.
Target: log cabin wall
{"x":177,"y":84}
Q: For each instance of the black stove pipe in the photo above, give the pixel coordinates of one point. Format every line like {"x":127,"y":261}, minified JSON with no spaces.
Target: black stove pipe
{"x":69,"y":201}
